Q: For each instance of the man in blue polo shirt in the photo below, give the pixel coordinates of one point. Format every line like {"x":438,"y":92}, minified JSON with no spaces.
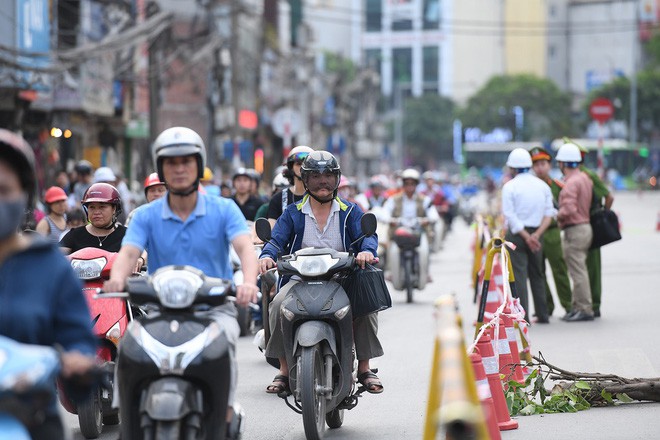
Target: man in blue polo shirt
{"x":189,"y":228}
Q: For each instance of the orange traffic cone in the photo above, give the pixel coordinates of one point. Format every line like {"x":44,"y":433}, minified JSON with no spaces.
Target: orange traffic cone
{"x":485,"y":349}
{"x":657,"y":223}
{"x":510,"y":331}
{"x":503,"y":349}
{"x":485,"y":397}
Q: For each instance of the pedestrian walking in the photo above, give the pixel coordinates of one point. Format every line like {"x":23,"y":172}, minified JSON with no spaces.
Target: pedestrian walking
{"x":574,"y":203}
{"x":528,"y":211}
{"x":552,"y":250}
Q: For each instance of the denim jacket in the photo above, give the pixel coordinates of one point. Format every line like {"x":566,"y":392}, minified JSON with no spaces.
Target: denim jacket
{"x":290,"y":227}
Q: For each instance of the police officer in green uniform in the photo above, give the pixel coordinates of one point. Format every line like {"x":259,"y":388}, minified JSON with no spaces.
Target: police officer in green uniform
{"x":552,"y":250}
{"x":602,"y":198}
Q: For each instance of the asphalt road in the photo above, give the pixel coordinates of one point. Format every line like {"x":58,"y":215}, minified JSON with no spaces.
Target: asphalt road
{"x":623,"y":341}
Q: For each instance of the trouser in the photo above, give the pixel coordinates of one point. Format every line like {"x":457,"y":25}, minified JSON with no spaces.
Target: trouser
{"x":595,"y":280}
{"x":527,"y":265}
{"x":552,"y":251}
{"x":51,"y":428}
{"x":576,"y":242}
{"x":365,"y":330}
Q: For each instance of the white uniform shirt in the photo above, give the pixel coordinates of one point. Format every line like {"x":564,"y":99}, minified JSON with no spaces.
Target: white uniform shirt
{"x":526,"y":199}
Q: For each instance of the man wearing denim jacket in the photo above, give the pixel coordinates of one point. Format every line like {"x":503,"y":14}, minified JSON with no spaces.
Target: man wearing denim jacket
{"x":321,"y":220}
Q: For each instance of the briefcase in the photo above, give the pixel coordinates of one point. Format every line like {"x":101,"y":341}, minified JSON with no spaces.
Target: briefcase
{"x":605,"y":227}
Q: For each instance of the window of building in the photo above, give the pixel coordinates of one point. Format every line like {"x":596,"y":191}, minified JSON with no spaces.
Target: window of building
{"x":402,"y":12}
{"x":402,"y":65}
{"x":374,"y":13}
{"x":431,"y":14}
{"x":430,"y":64}
{"x":372,"y":59}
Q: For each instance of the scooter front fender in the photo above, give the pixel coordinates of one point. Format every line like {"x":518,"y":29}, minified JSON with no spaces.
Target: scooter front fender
{"x":171,"y":399}
{"x":311,"y":333}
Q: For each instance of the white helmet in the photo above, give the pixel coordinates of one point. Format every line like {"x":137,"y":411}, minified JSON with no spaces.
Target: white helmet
{"x":569,"y":153}
{"x":104,"y":174}
{"x":429,"y":175}
{"x":519,"y":158}
{"x":410,"y":174}
{"x":280,"y":182}
{"x":175,"y":142}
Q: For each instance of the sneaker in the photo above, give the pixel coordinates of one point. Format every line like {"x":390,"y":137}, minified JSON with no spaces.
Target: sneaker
{"x":580,"y":316}
{"x":568,"y":315}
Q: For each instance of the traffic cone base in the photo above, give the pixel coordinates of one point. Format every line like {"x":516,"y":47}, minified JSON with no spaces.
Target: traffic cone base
{"x":485,"y":397}
{"x":510,"y":331}
{"x":485,"y":349}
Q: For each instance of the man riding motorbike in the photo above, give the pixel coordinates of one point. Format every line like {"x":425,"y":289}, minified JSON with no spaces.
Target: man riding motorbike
{"x":295,"y":193}
{"x":190,"y":228}
{"x":321,"y":220}
{"x":410,"y":206}
{"x":102,"y":205}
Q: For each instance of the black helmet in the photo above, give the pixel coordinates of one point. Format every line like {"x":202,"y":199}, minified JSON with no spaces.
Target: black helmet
{"x":320,"y":162}
{"x":83,"y":167}
{"x":241,"y":172}
{"x":16,"y":151}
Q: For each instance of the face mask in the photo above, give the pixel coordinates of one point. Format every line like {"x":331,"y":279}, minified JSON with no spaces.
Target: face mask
{"x":11,"y":216}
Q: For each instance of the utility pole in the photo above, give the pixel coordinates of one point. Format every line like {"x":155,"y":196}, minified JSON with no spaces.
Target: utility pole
{"x":153,"y":76}
{"x":633,"y":89}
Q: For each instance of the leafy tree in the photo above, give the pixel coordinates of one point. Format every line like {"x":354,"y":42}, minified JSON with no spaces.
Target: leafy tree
{"x":648,"y":101}
{"x":427,"y":128}
{"x":547,"y":110}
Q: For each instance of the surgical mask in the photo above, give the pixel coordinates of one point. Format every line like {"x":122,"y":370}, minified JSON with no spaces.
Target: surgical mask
{"x":11,"y":216}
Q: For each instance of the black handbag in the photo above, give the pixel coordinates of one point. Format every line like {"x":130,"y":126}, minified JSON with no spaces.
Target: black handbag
{"x":605,"y":227}
{"x":367,"y":291}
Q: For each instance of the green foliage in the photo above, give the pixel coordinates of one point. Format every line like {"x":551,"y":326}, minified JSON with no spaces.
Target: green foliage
{"x":547,"y":110}
{"x":648,"y":100}
{"x":522,"y":402}
{"x":427,"y":127}
{"x":335,"y":63}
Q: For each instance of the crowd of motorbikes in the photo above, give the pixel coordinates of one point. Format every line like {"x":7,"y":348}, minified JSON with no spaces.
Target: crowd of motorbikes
{"x":165,"y":364}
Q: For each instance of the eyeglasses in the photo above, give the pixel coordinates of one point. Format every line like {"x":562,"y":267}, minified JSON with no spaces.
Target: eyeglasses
{"x":297,"y":158}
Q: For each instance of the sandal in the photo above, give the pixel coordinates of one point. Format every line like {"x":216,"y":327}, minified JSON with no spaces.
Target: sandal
{"x":370,"y":382}
{"x":280,"y":384}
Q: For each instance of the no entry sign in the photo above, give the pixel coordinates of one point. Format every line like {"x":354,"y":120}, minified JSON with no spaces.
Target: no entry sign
{"x":601,"y":110}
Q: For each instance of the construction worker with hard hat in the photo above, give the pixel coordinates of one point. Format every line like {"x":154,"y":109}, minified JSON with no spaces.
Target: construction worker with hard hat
{"x":573,"y":218}
{"x":528,"y":211}
{"x":552,"y":250}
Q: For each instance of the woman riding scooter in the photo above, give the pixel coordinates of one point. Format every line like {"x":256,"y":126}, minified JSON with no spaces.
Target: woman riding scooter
{"x":102,"y":205}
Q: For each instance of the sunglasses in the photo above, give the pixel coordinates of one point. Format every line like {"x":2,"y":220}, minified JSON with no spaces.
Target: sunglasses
{"x":298,"y":158}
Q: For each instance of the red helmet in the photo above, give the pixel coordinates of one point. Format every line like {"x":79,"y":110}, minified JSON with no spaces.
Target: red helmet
{"x":151,"y":180}
{"x":102,"y":193}
{"x":54,"y":194}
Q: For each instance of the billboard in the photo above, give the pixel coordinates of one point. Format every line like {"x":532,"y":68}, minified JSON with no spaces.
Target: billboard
{"x":32,"y":37}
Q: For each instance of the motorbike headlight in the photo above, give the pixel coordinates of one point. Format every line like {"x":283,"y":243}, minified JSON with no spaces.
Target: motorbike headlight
{"x":177,"y":289}
{"x":339,"y":314}
{"x":313,"y":265}
{"x":88,"y":269}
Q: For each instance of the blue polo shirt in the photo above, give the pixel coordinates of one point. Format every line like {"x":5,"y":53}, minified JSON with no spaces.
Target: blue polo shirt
{"x":201,"y":241}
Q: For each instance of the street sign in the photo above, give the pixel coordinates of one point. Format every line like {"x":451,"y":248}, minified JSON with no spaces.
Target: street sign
{"x":286,"y":122}
{"x":601,"y":110}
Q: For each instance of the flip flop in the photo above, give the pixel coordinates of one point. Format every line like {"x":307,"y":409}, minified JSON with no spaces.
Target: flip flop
{"x":280,"y":383}
{"x":371,"y":386}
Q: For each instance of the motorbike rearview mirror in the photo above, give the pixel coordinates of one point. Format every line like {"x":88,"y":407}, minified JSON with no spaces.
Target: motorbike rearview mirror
{"x":262,"y":227}
{"x":368,"y":223}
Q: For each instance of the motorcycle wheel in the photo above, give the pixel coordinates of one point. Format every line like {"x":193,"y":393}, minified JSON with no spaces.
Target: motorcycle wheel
{"x":408,"y":280}
{"x":90,"y":415}
{"x":244,"y":317}
{"x":310,"y":378}
{"x":167,"y":430}
{"x":335,"y":418}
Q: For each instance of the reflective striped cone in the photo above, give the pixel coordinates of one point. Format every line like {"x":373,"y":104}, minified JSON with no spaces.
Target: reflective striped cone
{"x":485,"y":397}
{"x":510,"y":330}
{"x":503,"y":349}
{"x":485,"y":349}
